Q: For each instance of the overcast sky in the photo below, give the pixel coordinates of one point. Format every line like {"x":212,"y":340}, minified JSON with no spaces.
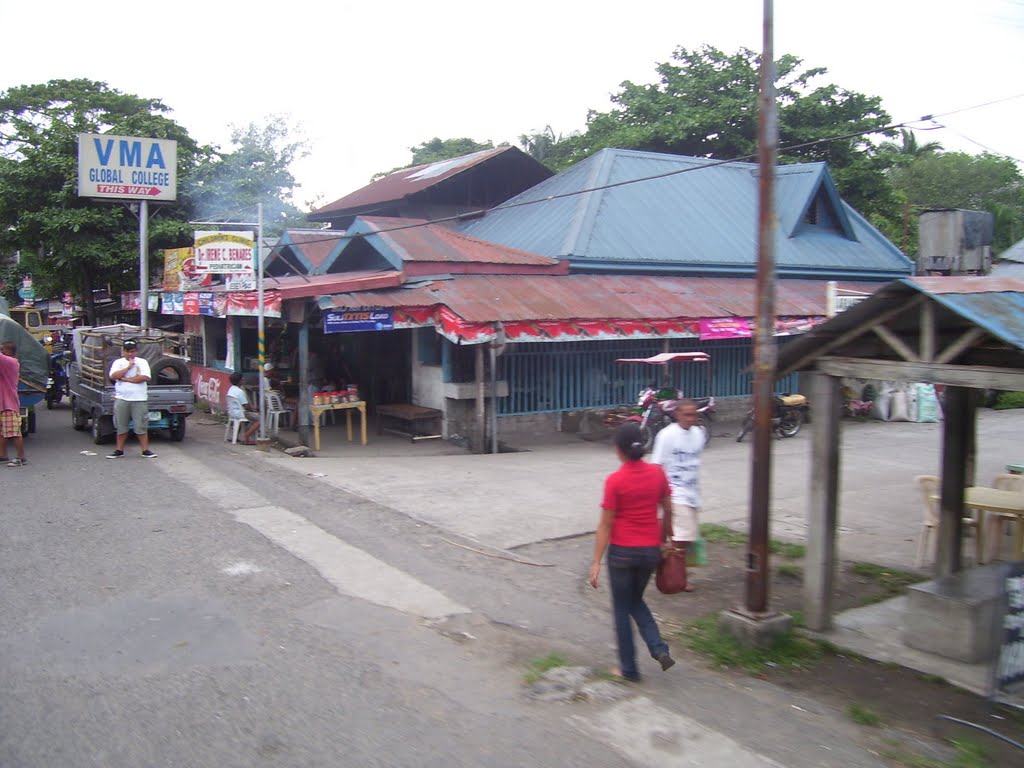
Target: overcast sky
{"x":364,"y":82}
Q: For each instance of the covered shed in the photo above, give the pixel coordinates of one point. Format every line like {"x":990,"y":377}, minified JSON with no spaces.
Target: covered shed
{"x":966,"y":333}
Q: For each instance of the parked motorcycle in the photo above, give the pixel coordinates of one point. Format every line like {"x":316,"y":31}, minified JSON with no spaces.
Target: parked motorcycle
{"x":57,"y":383}
{"x":658,"y":408}
{"x":788,"y":416}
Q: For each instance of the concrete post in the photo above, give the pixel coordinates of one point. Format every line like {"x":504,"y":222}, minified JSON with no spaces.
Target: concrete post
{"x":823,"y":507}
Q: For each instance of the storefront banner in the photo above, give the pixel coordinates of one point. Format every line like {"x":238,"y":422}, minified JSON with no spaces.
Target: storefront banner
{"x":172,"y":303}
{"x":246,"y":303}
{"x":791,"y":326}
{"x":414,"y":317}
{"x":725,"y":328}
{"x":210,"y":385}
{"x":190,"y":304}
{"x":459,"y":331}
{"x":352,"y":320}
{"x":133,"y":300}
{"x":180,"y":271}
{"x":224,"y":252}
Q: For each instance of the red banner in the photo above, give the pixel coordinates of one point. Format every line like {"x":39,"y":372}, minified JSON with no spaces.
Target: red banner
{"x":725,"y":328}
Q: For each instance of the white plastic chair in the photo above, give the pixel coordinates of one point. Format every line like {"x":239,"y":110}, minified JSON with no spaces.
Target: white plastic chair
{"x":275,"y":410}
{"x":234,"y":424}
{"x":929,"y":487}
{"x":996,"y":523}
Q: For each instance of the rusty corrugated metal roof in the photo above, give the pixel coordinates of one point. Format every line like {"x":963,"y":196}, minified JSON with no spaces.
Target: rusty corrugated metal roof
{"x":485,"y":298}
{"x":409,"y":181}
{"x":414,"y":240}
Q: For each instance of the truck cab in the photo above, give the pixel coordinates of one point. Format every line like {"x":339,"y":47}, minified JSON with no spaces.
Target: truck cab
{"x":33,"y":321}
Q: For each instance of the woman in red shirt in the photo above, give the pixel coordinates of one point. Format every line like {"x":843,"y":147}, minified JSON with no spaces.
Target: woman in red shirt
{"x":633,"y":535}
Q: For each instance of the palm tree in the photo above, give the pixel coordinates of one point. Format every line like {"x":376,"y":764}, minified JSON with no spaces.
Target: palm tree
{"x":908,"y":149}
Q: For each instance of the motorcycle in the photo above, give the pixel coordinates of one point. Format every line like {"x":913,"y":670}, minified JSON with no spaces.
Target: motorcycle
{"x":655,"y":407}
{"x":788,"y":415}
{"x":658,"y":411}
{"x":57,"y":385}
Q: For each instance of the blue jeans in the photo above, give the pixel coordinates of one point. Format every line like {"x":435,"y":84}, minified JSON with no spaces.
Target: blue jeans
{"x":629,"y":570}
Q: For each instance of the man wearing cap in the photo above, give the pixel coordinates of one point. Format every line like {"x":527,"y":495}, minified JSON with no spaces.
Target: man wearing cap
{"x":131,"y":398}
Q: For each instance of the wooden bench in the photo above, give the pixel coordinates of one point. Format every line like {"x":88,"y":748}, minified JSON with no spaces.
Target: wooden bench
{"x":416,"y":422}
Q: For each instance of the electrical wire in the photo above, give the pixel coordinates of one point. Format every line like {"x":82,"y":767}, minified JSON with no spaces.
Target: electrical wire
{"x":469,"y":215}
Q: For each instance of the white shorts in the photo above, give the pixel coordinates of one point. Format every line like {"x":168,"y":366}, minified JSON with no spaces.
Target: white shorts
{"x":684,"y":523}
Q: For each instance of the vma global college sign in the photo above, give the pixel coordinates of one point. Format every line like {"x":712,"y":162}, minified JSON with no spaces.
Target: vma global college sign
{"x":127,"y":167}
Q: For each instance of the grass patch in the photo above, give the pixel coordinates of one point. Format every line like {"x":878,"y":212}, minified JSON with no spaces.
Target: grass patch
{"x":539,"y":666}
{"x":891,"y":581}
{"x":790,"y":571}
{"x":704,"y":637}
{"x":864,"y":716}
{"x":967,"y":754}
{"x":787,"y":550}
{"x":719,"y":533}
{"x":722,"y":534}
{"x":1007,"y":400}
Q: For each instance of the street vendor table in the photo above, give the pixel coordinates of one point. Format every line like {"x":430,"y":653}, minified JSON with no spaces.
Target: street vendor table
{"x":317,"y":410}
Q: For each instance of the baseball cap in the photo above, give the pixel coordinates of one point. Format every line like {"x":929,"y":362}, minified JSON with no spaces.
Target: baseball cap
{"x":268,"y":367}
{"x":130,"y":344}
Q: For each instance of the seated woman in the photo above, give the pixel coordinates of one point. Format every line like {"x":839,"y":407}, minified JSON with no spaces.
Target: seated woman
{"x":239,"y":408}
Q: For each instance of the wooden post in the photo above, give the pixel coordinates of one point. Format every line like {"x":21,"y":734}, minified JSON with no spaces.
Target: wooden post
{"x":959,"y":414}
{"x":822,"y":512}
{"x":481,"y":401}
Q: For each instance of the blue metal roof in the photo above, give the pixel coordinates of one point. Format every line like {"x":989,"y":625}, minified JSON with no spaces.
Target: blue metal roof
{"x":994,"y":304}
{"x":701,"y":219}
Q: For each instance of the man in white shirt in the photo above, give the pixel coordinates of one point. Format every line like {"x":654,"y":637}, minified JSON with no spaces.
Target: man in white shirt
{"x":131,"y":398}
{"x":678,"y":448}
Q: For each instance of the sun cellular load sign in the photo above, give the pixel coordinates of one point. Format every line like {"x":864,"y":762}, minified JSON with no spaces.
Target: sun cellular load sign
{"x":127,"y":167}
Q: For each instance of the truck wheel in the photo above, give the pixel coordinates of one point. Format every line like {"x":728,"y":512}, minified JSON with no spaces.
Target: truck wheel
{"x":177,"y":432}
{"x":171,"y":370}
{"x":101,"y":428}
{"x":78,"y":419}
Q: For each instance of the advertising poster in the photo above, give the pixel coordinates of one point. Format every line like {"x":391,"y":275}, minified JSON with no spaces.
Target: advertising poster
{"x":351,"y":321}
{"x":725,"y":328}
{"x":180,"y":271}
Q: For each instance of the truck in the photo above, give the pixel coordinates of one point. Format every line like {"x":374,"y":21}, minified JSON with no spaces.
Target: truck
{"x":94,"y":349}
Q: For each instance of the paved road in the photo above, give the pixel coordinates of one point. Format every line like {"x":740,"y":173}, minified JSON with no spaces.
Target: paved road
{"x":220,"y":606}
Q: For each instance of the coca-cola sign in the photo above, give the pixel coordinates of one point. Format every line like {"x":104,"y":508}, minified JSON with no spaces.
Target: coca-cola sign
{"x":210,"y":385}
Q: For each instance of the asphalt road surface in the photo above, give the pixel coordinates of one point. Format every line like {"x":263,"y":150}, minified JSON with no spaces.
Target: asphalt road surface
{"x":209,"y":608}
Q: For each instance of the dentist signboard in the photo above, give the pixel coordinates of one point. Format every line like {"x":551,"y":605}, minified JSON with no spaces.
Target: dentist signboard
{"x":127,"y":167}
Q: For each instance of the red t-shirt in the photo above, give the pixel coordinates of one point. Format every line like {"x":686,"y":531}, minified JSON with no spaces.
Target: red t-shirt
{"x":634,"y":492}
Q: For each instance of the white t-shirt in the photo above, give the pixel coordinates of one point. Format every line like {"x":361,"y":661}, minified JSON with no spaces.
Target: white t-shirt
{"x":237,"y":399}
{"x":678,"y":451}
{"x":127,"y":390}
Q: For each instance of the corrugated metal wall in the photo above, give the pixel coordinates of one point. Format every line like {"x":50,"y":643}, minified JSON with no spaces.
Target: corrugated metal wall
{"x":570,"y":376}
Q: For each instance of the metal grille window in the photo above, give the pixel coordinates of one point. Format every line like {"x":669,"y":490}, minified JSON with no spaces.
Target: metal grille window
{"x":568,"y":376}
{"x":196,"y":349}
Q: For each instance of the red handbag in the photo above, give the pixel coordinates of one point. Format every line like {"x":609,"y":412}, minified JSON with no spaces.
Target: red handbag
{"x":671,"y":575}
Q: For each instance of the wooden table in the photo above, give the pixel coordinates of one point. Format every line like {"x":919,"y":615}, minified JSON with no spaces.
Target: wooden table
{"x":413,"y":417}
{"x":999,"y":501}
{"x":316,"y":411}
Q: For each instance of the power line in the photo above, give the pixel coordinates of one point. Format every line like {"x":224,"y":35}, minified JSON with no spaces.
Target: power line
{"x":480,"y":213}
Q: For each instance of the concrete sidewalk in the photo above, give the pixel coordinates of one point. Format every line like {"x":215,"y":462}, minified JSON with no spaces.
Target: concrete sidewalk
{"x":551,"y":488}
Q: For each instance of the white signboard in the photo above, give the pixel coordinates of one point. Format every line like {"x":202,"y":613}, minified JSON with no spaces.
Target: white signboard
{"x":240,"y":281}
{"x":127,"y":167}
{"x":223,"y":253}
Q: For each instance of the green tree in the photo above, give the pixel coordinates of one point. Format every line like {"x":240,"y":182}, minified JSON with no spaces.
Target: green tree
{"x":227,"y":185}
{"x":985,"y":182}
{"x":78,"y":244}
{"x":704,"y":104}
{"x":68,"y":242}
